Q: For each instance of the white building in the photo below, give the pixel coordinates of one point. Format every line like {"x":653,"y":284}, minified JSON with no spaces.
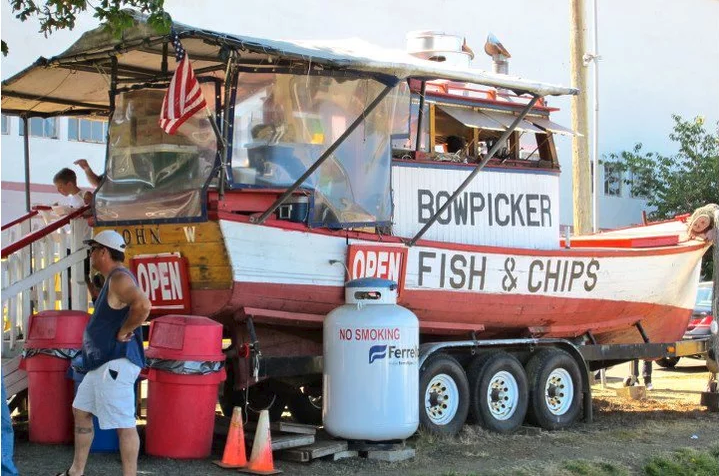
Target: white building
{"x":659,"y":57}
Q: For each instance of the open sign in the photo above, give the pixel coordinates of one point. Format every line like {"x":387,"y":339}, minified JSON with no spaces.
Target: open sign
{"x":164,"y":280}
{"x":368,"y":261}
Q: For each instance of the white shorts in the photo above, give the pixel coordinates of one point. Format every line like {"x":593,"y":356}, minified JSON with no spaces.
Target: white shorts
{"x":108,"y":392}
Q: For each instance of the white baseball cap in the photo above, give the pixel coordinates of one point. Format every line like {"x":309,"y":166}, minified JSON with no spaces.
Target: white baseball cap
{"x":109,"y":239}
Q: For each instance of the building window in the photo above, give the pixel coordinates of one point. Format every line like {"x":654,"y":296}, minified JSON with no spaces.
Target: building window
{"x":86,"y":130}
{"x":40,"y":127}
{"x":5,"y":124}
{"x":637,"y":188}
{"x":612,"y":180}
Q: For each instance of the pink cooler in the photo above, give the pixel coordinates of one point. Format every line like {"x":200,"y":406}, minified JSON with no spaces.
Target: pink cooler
{"x":50,"y":392}
{"x":181,"y":408}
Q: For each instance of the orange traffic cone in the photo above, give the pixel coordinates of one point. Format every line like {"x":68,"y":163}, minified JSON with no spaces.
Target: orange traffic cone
{"x":234,"y":455}
{"x":261,"y":458}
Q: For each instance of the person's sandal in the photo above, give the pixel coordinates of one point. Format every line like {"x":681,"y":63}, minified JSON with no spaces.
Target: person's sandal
{"x":66,"y":473}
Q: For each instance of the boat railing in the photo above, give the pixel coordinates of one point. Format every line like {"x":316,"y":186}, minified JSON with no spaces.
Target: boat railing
{"x":42,"y":269}
{"x":451,"y":88}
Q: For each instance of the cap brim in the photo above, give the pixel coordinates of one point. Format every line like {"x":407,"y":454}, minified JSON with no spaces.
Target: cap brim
{"x":89,"y":242}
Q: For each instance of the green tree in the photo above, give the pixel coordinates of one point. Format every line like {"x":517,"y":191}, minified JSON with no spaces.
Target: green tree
{"x":56,"y":15}
{"x":678,"y":183}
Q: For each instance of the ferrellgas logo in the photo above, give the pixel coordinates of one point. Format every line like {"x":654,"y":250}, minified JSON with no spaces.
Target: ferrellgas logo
{"x":396,"y":355}
{"x":377,"y":352}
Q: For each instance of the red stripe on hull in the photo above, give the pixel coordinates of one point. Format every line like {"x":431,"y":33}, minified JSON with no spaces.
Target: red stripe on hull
{"x":501,"y":315}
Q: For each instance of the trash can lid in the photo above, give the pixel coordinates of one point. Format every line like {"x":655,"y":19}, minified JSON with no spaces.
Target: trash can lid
{"x":176,"y":337}
{"x":56,"y":330}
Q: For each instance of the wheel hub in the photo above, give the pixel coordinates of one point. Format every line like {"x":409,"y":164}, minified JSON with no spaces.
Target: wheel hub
{"x":441,"y":399}
{"x":503,"y":395}
{"x":559,"y":391}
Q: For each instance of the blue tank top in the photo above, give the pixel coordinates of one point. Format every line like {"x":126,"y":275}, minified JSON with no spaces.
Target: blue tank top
{"x":99,"y":341}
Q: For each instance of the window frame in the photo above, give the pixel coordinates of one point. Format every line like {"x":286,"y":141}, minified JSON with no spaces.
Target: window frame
{"x":612,"y":170}
{"x":55,"y":128}
{"x":79,"y":130}
{"x":6,"y":124}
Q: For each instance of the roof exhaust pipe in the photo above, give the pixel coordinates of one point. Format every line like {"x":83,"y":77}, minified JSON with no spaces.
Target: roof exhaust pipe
{"x":500,"y":55}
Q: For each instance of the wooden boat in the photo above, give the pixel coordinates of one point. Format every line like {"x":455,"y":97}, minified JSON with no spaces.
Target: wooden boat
{"x":337,"y":166}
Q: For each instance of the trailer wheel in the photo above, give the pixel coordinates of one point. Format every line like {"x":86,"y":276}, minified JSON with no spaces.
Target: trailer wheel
{"x":668,"y":362}
{"x":443,"y":395}
{"x":555,"y":389}
{"x":306,"y":404}
{"x":499,"y":393}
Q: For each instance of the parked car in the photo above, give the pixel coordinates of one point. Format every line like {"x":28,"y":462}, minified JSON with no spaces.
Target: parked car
{"x":699,"y":323}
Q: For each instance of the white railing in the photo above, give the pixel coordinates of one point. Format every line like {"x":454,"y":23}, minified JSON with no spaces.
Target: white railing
{"x":42,"y":269}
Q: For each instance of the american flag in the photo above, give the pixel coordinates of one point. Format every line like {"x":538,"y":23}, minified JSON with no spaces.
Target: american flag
{"x":184,"y":95}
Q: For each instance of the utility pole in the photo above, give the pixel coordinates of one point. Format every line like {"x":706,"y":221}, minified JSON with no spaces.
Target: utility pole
{"x":581,"y":182}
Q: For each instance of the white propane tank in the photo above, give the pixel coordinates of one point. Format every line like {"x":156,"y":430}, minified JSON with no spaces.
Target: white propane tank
{"x":371,"y":378}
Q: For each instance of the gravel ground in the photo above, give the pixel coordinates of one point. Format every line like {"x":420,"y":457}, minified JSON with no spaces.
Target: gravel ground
{"x":624,"y":432}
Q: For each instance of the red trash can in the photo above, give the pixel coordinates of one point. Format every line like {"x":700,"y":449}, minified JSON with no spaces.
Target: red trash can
{"x":181,"y":405}
{"x":54,"y":337}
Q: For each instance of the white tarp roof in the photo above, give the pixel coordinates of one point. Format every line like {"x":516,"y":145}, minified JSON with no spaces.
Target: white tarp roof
{"x":78,"y":79}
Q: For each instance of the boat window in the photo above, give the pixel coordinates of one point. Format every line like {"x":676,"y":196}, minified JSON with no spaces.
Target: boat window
{"x":282,"y":125}
{"x":465,"y":134}
{"x":151,"y":175}
{"x":404,"y":126}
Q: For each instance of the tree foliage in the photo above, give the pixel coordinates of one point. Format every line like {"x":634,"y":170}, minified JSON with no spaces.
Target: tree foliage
{"x":678,"y":183}
{"x":56,"y":15}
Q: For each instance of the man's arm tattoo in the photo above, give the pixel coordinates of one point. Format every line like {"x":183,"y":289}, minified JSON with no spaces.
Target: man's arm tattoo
{"x":82,"y":430}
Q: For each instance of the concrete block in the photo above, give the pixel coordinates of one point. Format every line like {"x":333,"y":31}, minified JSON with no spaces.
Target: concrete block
{"x":343,"y":454}
{"x":636,"y":392}
{"x":392,"y":455}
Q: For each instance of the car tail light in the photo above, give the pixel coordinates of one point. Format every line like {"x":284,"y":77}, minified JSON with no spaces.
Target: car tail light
{"x":704,"y":321}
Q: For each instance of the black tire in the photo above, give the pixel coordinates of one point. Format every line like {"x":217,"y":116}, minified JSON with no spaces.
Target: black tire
{"x":668,"y":362}
{"x":443,"y":395}
{"x":499,"y":394}
{"x":555,"y":389}
{"x":306,"y":404}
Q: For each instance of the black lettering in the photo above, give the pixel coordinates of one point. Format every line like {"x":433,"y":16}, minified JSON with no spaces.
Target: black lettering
{"x":489,"y":205}
{"x":564,"y":275}
{"x":140,"y":235}
{"x":592,"y":269}
{"x":532,"y":209}
{"x":425,"y":201}
{"x":473,"y":208}
{"x":458,"y":271}
{"x":505,"y":199}
{"x":460,"y":210}
{"x":474,"y":272}
{"x":127,"y":236}
{"x":533,"y":288}
{"x":442,"y":262}
{"x":155,"y":236}
{"x":576,"y":273}
{"x":552,"y":275}
{"x":517,"y":209}
{"x":422,"y":267}
{"x":545,"y":204}
{"x":446,"y":216}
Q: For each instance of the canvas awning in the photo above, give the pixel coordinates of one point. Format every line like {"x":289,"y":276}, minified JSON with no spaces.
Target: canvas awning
{"x":77,"y":81}
{"x":489,"y":120}
{"x":550,"y":126}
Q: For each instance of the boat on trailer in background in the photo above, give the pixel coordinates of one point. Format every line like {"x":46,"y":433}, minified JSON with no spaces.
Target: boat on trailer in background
{"x":340,"y":160}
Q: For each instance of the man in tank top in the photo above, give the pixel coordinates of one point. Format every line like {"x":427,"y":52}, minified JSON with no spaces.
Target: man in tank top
{"x":112,"y":355}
